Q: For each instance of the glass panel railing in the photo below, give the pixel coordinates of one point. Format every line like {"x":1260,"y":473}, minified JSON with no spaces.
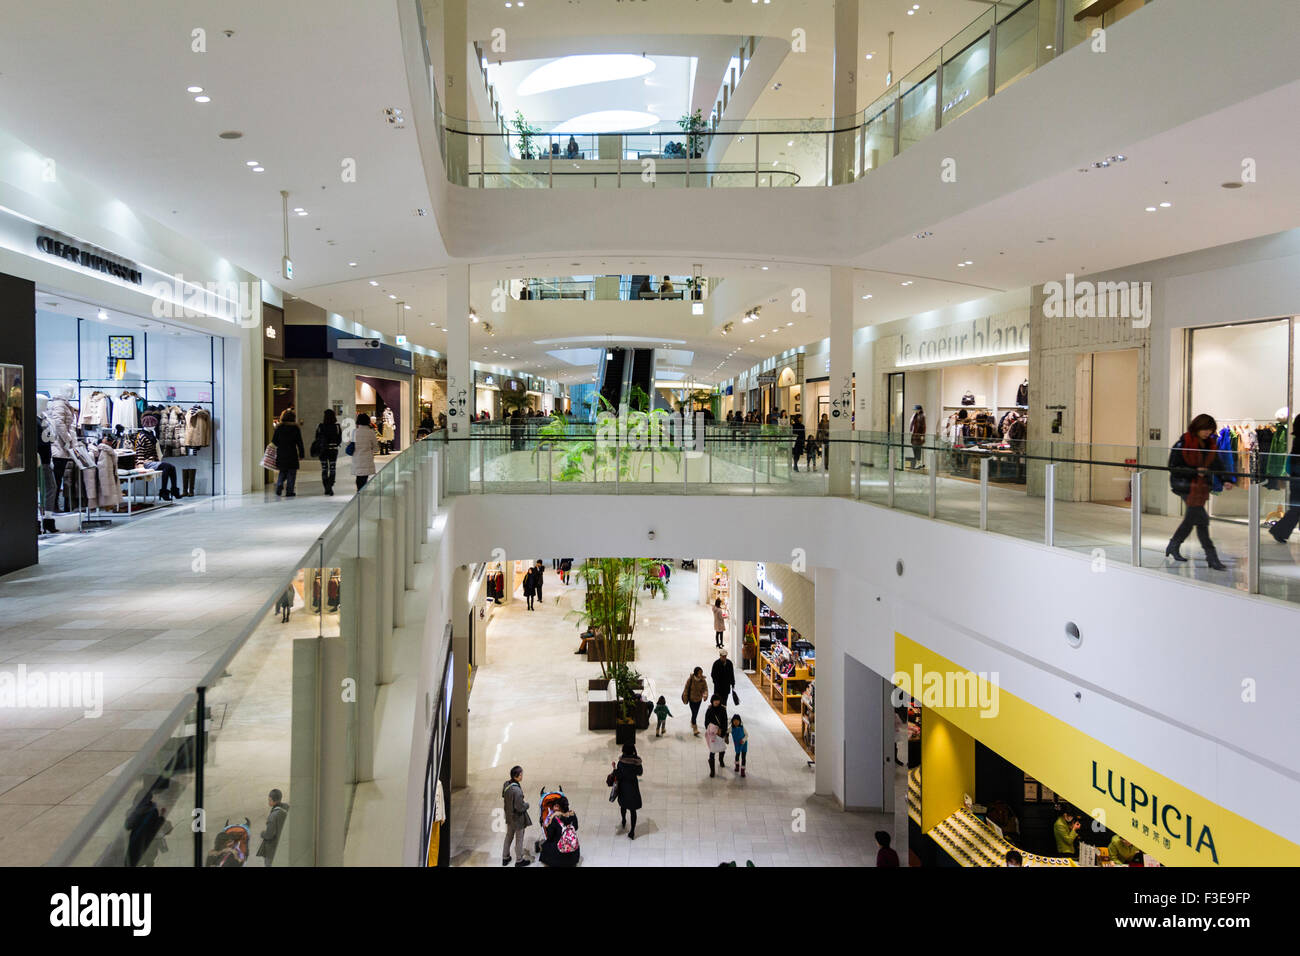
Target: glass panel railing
{"x":776,"y":152}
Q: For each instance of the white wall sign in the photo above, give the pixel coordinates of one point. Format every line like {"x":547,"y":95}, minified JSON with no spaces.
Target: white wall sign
{"x":764,"y":585}
{"x":980,"y":338}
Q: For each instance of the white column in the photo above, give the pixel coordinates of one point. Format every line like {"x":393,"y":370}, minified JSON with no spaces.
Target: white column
{"x":460,"y":383}
{"x":845,"y":103}
{"x":829,"y":774}
{"x":460,"y":677}
{"x":455,"y":86}
{"x":841,"y":377}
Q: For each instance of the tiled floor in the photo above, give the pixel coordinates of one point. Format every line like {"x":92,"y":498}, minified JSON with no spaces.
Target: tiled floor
{"x":149,"y":605}
{"x":528,"y":707}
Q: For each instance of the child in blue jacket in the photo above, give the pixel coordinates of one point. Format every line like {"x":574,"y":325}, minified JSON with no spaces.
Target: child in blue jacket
{"x":740,"y":741}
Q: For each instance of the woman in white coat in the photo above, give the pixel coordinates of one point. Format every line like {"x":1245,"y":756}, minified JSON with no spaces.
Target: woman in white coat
{"x":365,"y":444}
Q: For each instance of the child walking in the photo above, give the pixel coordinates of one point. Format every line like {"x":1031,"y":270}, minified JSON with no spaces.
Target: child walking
{"x":662,"y":713}
{"x":740,"y":741}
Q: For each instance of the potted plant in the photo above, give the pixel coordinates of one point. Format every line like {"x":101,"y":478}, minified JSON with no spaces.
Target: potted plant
{"x":693,"y":126}
{"x":613,"y":595}
{"x":525,"y":131}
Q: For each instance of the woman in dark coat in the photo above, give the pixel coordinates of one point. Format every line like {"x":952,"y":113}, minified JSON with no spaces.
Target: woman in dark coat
{"x":627,"y":770}
{"x":549,"y":853}
{"x":797,"y":429}
{"x":1192,"y":463}
{"x":287,"y":439}
{"x":1282,"y":530}
{"x":530,"y":585}
{"x":329,"y":435}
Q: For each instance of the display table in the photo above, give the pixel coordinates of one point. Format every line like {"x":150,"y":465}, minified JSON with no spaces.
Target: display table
{"x":972,"y":842}
{"x":128,"y":478}
{"x":784,"y":689}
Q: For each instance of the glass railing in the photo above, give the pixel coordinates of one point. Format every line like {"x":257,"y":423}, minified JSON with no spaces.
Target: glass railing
{"x":288,"y":707}
{"x":1114,"y":504}
{"x":1001,"y":46}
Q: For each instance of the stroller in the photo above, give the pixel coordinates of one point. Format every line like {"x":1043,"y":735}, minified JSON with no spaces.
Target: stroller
{"x":688,"y":564}
{"x":548,"y":805}
{"x":230,"y":848}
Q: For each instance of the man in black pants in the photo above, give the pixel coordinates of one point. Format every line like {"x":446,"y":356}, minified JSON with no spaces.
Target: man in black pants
{"x":724,"y":677}
{"x":541,"y":575}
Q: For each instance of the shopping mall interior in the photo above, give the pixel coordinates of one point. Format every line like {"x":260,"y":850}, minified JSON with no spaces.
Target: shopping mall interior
{"x":913,"y":388}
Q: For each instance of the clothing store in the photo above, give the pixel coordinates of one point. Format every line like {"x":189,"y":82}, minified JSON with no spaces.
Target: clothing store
{"x":965,"y":385}
{"x":130,"y":407}
{"x":1244,"y":374}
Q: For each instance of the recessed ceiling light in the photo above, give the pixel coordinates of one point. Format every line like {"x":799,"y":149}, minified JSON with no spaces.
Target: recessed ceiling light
{"x":193,"y":89}
{"x":391,"y":296}
{"x":764,"y":268}
{"x":407,"y":307}
{"x":1165,"y":205}
{"x":373,"y":282}
{"x":297,"y":209}
{"x":353,"y":264}
{"x":1149,"y":209}
{"x":259,"y":169}
{"x":867,"y":296}
{"x":961,"y":265}
{"x":923,"y":235}
{"x":202,"y":99}
{"x":908,"y":282}
{"x":101,"y":315}
{"x":870,"y":55}
{"x":789,"y":323}
{"x":969,"y":263}
{"x":230,"y":134}
{"x":252,"y":162}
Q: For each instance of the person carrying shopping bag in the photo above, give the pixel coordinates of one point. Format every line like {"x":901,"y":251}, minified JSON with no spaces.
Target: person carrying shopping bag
{"x":693,"y":694}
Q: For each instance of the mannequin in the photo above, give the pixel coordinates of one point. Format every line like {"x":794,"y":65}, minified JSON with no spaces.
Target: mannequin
{"x":61,"y":433}
{"x":916,"y":427}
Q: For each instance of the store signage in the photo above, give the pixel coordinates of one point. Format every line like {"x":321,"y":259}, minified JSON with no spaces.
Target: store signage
{"x":767,"y":378}
{"x":764,"y":585}
{"x":1151,"y":811}
{"x":90,"y":258}
{"x":987,"y":337}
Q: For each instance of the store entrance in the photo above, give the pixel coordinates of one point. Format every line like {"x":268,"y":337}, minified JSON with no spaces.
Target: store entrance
{"x":1113,"y":426}
{"x":381,"y":399}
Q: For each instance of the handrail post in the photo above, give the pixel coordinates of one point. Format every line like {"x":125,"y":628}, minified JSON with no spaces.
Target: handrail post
{"x":550,"y":467}
{"x":889,"y":450}
{"x":482,"y":164}
{"x":993,"y":54}
{"x":938,"y":93}
{"x":898,"y":119}
{"x":618,"y":162}
{"x":1049,"y":504}
{"x":984,"y":493}
{"x":932,"y":462}
{"x":618,"y":466}
{"x":1252,"y":568}
{"x":482,"y":469}
{"x":550,"y":163}
{"x":753,"y":472}
{"x":757,"y":158}
{"x":860,"y":449}
{"x":1135,"y":518}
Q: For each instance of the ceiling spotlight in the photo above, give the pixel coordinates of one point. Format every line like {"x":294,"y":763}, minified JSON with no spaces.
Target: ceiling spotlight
{"x":870,"y":55}
{"x":1165,"y":205}
{"x":923,"y":235}
{"x":373,"y":282}
{"x":391,"y":296}
{"x":867,"y":296}
{"x":473,"y":316}
{"x":252,"y":162}
{"x":202,"y":99}
{"x":259,"y":169}
{"x":1151,"y":208}
{"x":908,"y":282}
{"x":193,"y":89}
{"x":101,"y":315}
{"x":969,"y":263}
{"x":352,"y":264}
{"x":407,"y":308}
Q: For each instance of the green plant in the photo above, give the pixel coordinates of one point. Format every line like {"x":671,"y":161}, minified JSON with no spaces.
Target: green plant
{"x":525,"y":131}
{"x":514,"y":398}
{"x":614,"y":587}
{"x":693,"y":126}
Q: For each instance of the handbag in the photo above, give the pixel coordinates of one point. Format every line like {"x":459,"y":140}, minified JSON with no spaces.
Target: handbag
{"x":314,"y":451}
{"x":351,"y":447}
{"x":611,"y":781}
{"x":269,"y":458}
{"x":735,"y":698}
{"x":968,"y":398}
{"x":686,"y":695}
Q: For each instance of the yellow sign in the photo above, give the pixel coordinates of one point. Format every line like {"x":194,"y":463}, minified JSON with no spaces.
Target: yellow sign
{"x":1174,"y":824}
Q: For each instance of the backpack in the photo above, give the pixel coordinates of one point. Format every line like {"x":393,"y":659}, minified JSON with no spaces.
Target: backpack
{"x":568,"y":841}
{"x":1180,"y":476}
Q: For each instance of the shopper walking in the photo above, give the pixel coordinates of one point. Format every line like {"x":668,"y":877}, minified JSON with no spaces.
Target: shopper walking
{"x":1193,"y":462}
{"x":530,"y":585}
{"x":364,"y":446}
{"x":797,"y":429}
{"x":328,"y":438}
{"x":824,"y":440}
{"x":274,"y":826}
{"x":662,"y":713}
{"x":517,"y":819}
{"x":719,"y":621}
{"x":696,"y":689}
{"x":285,"y":604}
{"x":739,"y":743}
{"x":287,"y":439}
{"x":626,"y":771}
{"x":916,"y":427}
{"x":1282,"y":530}
{"x":541,"y":576}
{"x":886,"y":856}
{"x":724,"y":677}
{"x":715,"y":731}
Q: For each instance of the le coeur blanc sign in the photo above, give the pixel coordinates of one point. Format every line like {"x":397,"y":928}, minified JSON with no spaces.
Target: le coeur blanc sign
{"x":986,"y":337}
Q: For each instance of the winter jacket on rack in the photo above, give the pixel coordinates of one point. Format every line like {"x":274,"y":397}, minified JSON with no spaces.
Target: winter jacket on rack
{"x":97,"y":410}
{"x":103,"y":489}
{"x":62,"y":421}
{"x":1022,"y":394}
{"x":198,"y":428}
{"x":171,"y":430}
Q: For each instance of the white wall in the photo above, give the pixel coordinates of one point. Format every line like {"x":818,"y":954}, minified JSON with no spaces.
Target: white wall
{"x":1159,"y":670}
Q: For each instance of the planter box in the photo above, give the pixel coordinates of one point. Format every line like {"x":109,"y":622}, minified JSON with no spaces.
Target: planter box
{"x":596,"y":649}
{"x":603,"y":714}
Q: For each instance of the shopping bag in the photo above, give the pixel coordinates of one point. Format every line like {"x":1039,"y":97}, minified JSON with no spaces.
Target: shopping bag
{"x":268,"y":458}
{"x":735,"y":698}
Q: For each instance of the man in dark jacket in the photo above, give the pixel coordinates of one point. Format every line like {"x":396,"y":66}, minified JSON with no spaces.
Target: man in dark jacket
{"x":541,"y":576}
{"x":518,"y":821}
{"x":724,"y":676}
{"x":530,"y":585}
{"x":717,"y":715}
{"x":274,"y":826}
{"x":797,"y":429}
